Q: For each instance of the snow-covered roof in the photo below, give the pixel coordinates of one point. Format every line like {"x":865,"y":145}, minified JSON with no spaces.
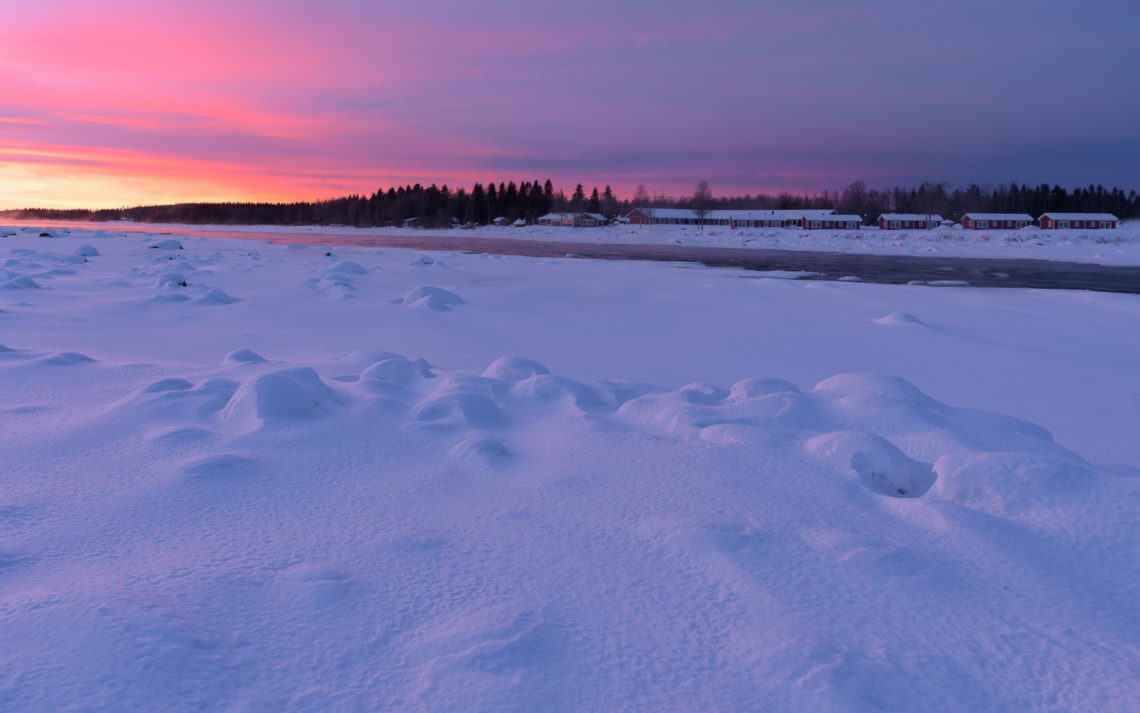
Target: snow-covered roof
{"x":911,"y":216}
{"x":836,"y":218}
{"x":553,"y":216}
{"x":1081,"y":216}
{"x":685,"y":213}
{"x":998,"y":216}
{"x":678,"y":213}
{"x":769,"y":214}
{"x":595,"y":216}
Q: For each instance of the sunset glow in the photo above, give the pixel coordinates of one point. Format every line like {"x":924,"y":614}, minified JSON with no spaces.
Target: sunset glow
{"x":111,"y":104}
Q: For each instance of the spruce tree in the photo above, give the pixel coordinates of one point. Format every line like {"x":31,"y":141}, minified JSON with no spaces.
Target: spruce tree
{"x":578,"y":201}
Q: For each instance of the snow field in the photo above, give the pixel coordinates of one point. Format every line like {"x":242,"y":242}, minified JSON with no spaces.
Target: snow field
{"x":310,"y":497}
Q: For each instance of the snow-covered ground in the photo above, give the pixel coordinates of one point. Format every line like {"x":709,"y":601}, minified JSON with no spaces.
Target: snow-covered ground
{"x":240,"y":476}
{"x":1109,"y":247}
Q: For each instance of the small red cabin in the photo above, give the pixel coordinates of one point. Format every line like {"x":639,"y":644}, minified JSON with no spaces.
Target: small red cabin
{"x":909,"y":221}
{"x":637,"y":216}
{"x":996,"y":221}
{"x":831,"y":222}
{"x":1065,"y":221}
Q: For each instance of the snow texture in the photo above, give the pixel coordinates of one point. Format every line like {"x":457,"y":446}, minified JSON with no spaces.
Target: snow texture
{"x":581,"y":486}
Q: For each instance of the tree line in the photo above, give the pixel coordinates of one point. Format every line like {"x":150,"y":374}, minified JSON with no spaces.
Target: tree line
{"x":953,"y":203}
{"x":440,"y":206}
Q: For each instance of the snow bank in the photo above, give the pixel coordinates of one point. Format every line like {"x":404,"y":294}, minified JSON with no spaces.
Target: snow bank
{"x":1119,"y":246}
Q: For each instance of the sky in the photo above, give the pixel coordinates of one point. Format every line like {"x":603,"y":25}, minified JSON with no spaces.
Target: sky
{"x":107,"y":103}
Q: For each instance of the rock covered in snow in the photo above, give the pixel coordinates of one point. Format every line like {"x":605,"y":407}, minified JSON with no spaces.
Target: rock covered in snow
{"x":164,"y":244}
{"x":215,"y":296}
{"x":878,"y":464}
{"x":434,"y":299}
{"x":281,"y":398}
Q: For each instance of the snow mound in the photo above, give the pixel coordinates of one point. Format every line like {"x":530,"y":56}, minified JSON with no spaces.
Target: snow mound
{"x":871,"y":389}
{"x":215,"y":296}
{"x":550,"y":388}
{"x":398,"y":370}
{"x":435,"y":299}
{"x":171,"y":280}
{"x":481,"y":451}
{"x":899,"y":319}
{"x":166,"y":385}
{"x":86,"y":251}
{"x":422,"y":260}
{"x":281,"y":398}
{"x":347,"y":267}
{"x":20,"y":282}
{"x":752,"y":388}
{"x":1017,"y":485}
{"x":879,"y":465}
{"x":64,"y":359}
{"x":243,"y":356}
{"x":511,"y":368}
{"x":337,"y":284}
{"x":167,"y":244}
{"x":462,"y":409}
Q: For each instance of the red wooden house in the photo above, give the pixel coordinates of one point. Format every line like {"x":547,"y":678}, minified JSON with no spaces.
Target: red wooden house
{"x":909,"y":221}
{"x":1063,"y":221}
{"x":831,"y":222}
{"x":996,"y":221}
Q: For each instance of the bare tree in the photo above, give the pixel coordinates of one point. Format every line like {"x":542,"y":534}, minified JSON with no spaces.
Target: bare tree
{"x":702,"y":202}
{"x":641,"y":197}
{"x":854,"y":200}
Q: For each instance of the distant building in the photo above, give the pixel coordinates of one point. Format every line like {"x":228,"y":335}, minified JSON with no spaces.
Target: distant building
{"x":501,"y":222}
{"x":831,"y":222}
{"x":573,"y":220}
{"x":909,"y":221}
{"x":995,"y":221}
{"x":588,"y":220}
{"x":1063,"y":221}
{"x":728,"y":218}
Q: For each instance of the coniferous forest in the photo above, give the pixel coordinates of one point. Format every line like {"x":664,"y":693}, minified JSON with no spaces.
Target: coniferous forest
{"x":441,"y":206}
